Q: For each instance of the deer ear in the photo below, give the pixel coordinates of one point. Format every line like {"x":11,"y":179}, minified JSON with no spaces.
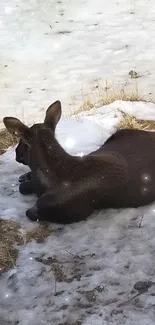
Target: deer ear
{"x":53,"y":114}
{"x":18,"y":129}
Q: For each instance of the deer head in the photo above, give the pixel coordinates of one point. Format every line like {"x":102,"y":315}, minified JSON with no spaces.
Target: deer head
{"x":26,"y":134}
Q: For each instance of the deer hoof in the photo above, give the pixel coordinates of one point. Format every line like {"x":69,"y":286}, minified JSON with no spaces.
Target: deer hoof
{"x":26,"y":188}
{"x":32,"y":214}
{"x":25,"y":177}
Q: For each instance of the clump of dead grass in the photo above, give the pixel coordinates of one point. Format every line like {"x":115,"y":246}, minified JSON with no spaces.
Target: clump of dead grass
{"x":39,"y":234}
{"x":131,"y":122}
{"x":10,"y":235}
{"x":6,"y":140}
{"x":87,"y":105}
{"x":105,"y":95}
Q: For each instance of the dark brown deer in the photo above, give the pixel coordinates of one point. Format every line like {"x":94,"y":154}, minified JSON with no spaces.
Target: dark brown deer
{"x":69,"y":188}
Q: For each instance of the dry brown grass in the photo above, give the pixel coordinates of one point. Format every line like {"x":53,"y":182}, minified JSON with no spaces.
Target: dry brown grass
{"x":6,"y":140}
{"x":11,"y":235}
{"x":39,"y":234}
{"x":87,"y":105}
{"x":131,"y":122}
{"x":105,"y":96}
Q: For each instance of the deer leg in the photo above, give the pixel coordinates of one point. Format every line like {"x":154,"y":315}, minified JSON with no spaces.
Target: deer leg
{"x":32,"y":213}
{"x":61,"y":206}
{"x":26,"y":188}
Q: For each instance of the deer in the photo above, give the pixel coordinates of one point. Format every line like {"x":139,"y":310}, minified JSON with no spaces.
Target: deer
{"x":120,"y":174}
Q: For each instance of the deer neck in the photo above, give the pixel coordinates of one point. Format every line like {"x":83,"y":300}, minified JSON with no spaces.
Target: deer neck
{"x":47,"y":153}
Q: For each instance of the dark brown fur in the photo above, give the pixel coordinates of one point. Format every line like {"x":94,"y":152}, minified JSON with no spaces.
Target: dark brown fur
{"x":120,"y":174}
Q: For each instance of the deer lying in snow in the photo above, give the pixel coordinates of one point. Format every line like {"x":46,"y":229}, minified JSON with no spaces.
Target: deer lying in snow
{"x":69,"y":188}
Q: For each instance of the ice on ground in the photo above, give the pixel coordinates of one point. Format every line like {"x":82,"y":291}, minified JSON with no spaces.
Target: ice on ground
{"x":84,"y":274}
{"x":60,"y":50}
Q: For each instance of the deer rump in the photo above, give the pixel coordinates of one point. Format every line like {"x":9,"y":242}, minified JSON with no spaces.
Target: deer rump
{"x":119,"y":174}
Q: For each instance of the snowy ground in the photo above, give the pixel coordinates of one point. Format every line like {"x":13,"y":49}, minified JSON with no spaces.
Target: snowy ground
{"x":84,"y":271}
{"x":58,"y":49}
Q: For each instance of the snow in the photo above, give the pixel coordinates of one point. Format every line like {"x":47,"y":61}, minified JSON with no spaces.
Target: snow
{"x":61,"y":49}
{"x":84,"y":271}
